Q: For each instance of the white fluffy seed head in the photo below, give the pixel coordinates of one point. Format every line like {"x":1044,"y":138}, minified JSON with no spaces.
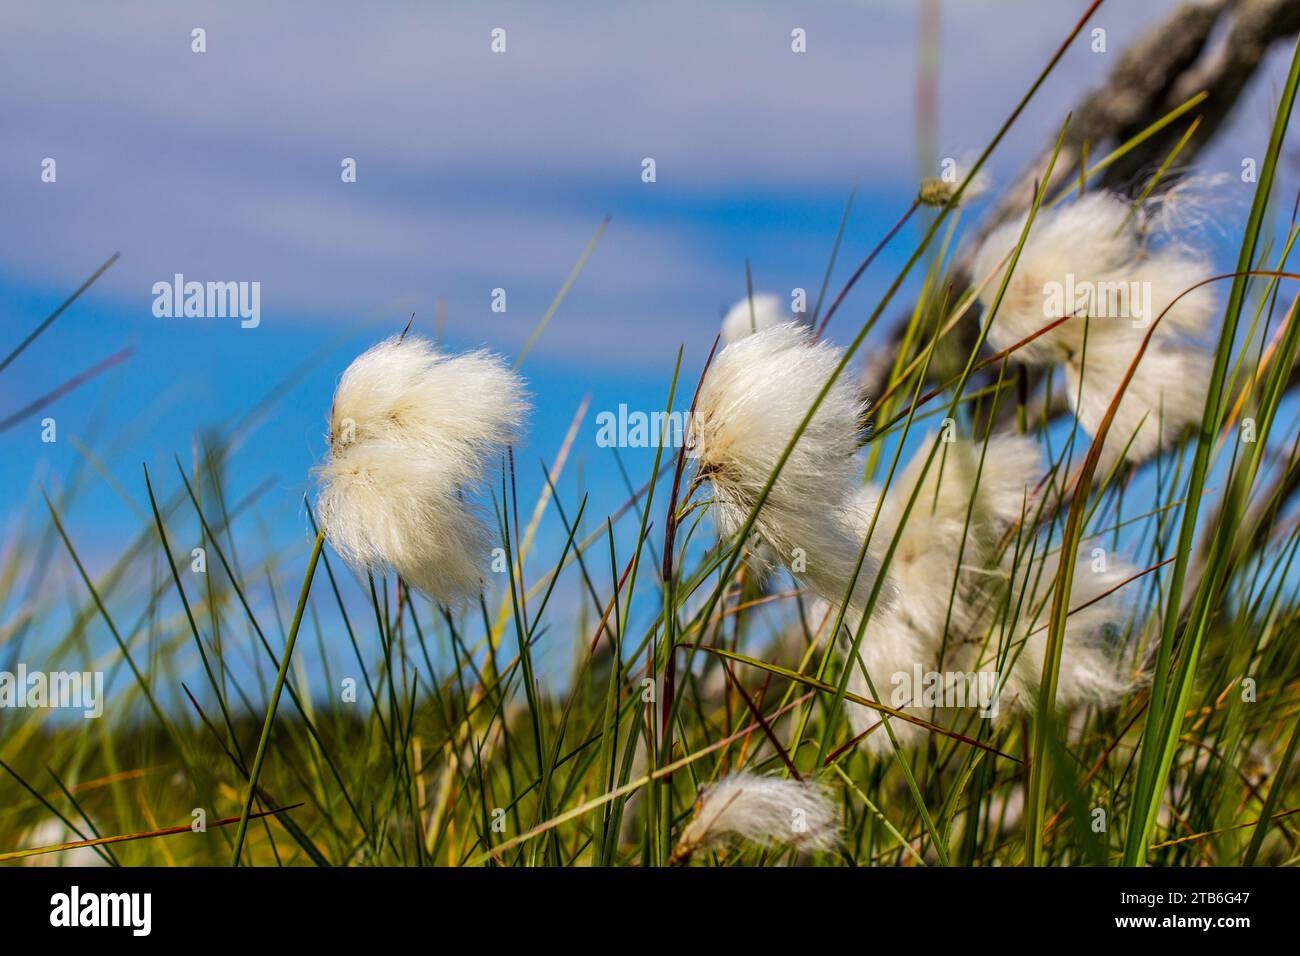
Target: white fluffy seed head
{"x":1093,"y":671}
{"x":993,"y":605}
{"x":412,"y":433}
{"x":756,"y":393}
{"x":891,"y":645}
{"x":740,"y":321}
{"x":1164,"y":396}
{"x":1091,"y":261}
{"x":1093,"y":666}
{"x":964,"y":504}
{"x":763,"y":810}
{"x":1086,"y":239}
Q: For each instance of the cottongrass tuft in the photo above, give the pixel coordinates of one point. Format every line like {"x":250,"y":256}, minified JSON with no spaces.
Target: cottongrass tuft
{"x":763,"y":810}
{"x":412,"y":433}
{"x":966,"y":589}
{"x":1098,"y":247}
{"x":750,"y":404}
{"x":975,"y":588}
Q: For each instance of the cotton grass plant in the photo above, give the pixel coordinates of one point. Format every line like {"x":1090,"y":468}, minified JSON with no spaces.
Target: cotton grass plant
{"x":1123,"y":565}
{"x":412,"y":434}
{"x":1088,"y":263}
{"x":762,"y":810}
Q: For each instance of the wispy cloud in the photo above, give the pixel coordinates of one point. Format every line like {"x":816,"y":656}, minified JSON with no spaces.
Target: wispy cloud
{"x":478,"y":170}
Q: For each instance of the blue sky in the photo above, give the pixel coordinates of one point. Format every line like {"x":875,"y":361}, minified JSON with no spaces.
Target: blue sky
{"x":475,"y":171}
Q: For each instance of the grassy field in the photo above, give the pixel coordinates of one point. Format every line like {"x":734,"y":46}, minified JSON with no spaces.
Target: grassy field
{"x":404,"y":733}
